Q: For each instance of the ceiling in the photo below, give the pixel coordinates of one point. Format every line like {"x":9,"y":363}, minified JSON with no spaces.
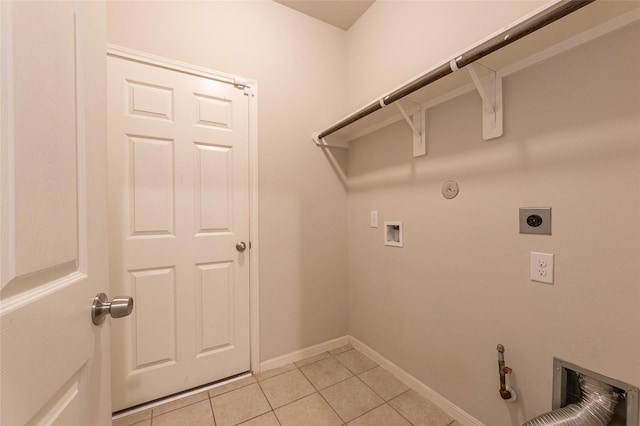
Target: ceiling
{"x":339,"y":13}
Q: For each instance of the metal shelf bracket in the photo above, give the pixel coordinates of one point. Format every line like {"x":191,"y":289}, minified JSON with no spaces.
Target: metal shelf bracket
{"x":418,"y":123}
{"x":490,"y":89}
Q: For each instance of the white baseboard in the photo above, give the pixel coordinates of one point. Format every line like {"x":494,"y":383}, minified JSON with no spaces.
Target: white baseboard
{"x":447,"y":406}
{"x":303,"y":353}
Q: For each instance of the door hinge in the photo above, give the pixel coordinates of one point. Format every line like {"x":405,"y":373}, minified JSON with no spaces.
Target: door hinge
{"x":242,"y":84}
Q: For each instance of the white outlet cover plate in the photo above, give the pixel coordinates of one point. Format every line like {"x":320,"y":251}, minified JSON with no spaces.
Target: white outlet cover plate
{"x":373,"y":218}
{"x":542,"y":267}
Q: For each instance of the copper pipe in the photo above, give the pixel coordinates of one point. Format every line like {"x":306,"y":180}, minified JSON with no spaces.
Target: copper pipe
{"x":504,"y":393}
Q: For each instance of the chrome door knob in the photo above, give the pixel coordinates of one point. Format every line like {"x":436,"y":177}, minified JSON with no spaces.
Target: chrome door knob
{"x":241,"y":246}
{"x":119,"y":307}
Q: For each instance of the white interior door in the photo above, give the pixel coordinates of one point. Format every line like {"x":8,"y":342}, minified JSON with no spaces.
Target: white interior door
{"x":178,"y":205}
{"x":54,"y":365}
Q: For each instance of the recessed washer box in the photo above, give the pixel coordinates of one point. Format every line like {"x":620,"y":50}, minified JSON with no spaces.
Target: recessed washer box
{"x":393,"y":233}
{"x":535,"y":220}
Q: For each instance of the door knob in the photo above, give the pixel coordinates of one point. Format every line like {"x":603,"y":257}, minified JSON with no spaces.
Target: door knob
{"x":241,"y":246}
{"x":119,"y":307}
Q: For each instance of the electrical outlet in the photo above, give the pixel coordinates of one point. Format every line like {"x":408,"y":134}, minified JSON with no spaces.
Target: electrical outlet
{"x":542,"y":267}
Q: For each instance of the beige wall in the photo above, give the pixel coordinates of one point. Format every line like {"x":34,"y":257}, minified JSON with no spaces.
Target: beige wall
{"x":395,"y":41}
{"x":439,"y":306}
{"x":299,"y":65}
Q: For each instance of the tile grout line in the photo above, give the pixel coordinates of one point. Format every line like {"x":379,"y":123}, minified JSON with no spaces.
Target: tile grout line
{"x":276,"y":417}
{"x":264,"y":394}
{"x":292,"y":401}
{"x":213,"y":413}
{"x":267,"y":398}
{"x":318,"y":390}
{"x":261,"y":414}
{"x":394,"y":408}
{"x":367,"y":412}
{"x":372,"y":389}
{"x":353,"y":375}
{"x":332,"y":409}
{"x":384,"y":402}
{"x":340,"y":381}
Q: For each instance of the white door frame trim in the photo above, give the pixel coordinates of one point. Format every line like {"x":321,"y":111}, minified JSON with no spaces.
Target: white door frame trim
{"x":252,"y":85}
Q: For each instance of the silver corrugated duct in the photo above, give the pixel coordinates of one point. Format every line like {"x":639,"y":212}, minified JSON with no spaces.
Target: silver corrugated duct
{"x":596,"y":407}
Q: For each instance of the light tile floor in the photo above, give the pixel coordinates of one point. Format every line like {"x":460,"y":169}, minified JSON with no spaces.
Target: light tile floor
{"x":339,"y":387}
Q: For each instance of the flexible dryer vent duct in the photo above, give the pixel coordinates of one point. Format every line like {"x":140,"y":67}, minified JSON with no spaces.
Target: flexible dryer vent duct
{"x":596,"y":407}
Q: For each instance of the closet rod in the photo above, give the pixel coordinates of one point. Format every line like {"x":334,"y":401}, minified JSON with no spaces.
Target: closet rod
{"x":505,"y":38}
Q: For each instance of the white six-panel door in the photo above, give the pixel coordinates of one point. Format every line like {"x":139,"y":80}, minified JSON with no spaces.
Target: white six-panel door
{"x":178,"y":205}
{"x":54,"y":363}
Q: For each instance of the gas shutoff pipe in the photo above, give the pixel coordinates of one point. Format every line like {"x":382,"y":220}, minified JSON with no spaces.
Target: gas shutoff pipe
{"x":506,"y":392}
